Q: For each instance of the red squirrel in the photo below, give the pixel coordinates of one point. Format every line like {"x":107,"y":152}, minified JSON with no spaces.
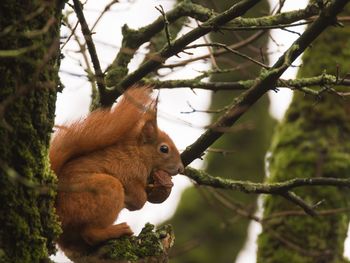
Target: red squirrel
{"x":113,"y":159}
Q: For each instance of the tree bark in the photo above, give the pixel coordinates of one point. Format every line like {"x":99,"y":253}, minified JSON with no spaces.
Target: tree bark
{"x":29,"y":81}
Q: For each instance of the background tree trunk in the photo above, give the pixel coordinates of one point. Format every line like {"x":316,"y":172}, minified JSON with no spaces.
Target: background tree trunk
{"x":29,"y":79}
{"x":205,"y":230}
{"x":312,"y":141}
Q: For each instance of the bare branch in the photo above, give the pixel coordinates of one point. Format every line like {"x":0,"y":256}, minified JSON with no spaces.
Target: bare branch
{"x":72,"y":29}
{"x":229,"y":50}
{"x":105,"y":10}
{"x":292,"y":197}
{"x":166,"y":24}
{"x":91,"y":47}
{"x":218,"y":52}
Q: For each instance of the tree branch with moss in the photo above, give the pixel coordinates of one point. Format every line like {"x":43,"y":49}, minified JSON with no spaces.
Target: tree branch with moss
{"x":327,"y":81}
{"x":283,"y":189}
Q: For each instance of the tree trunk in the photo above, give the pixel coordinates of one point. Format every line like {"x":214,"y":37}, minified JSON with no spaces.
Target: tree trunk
{"x":29,"y":79}
{"x":312,"y":141}
{"x":205,"y":230}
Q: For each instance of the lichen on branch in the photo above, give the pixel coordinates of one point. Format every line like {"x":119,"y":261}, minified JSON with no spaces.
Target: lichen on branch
{"x":149,"y":246}
{"x":203,"y":178}
{"x":305,"y":85}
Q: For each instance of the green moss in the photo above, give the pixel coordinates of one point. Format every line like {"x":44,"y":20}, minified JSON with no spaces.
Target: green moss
{"x":146,"y":244}
{"x":196,"y":11}
{"x":121,"y":249}
{"x":29,"y":221}
{"x":115,"y":74}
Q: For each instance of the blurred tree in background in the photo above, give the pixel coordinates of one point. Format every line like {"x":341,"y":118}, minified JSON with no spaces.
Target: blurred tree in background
{"x":312,"y":141}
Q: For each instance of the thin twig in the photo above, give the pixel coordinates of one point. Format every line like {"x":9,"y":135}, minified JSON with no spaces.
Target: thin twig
{"x":291,"y":31}
{"x":166,"y":24}
{"x":193,"y":110}
{"x":72,"y":29}
{"x":292,"y":197}
{"x":210,"y":50}
{"x":105,"y":10}
{"x":218,"y":52}
{"x":88,"y":69}
{"x":224,"y":46}
{"x":265,"y":27}
{"x":91,"y":48}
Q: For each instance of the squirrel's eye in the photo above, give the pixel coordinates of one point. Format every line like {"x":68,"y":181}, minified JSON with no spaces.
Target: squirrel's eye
{"x":164,"y":148}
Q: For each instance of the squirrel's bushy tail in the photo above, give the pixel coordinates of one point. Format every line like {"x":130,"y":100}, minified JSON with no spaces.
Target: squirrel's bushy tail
{"x":101,"y":128}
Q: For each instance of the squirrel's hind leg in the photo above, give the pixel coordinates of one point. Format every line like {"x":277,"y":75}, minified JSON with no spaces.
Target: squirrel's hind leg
{"x":92,"y":210}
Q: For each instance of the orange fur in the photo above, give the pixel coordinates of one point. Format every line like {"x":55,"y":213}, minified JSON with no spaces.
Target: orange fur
{"x":104,"y":164}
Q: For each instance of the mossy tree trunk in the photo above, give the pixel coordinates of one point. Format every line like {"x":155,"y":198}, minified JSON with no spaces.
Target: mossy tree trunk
{"x":205,"y":230}
{"x":28,"y":84}
{"x":312,"y":141}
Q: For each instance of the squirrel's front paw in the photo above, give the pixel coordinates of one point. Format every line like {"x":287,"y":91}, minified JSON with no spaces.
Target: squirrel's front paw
{"x":159,"y":188}
{"x":124,"y":229}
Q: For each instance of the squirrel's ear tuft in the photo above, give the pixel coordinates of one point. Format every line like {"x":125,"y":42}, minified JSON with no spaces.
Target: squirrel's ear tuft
{"x":154,"y":106}
{"x":149,"y":132}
